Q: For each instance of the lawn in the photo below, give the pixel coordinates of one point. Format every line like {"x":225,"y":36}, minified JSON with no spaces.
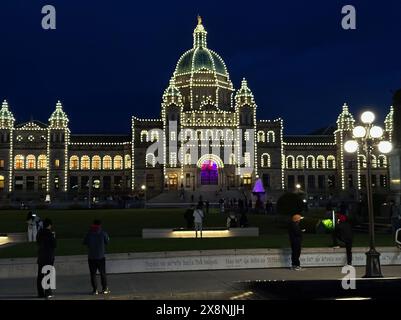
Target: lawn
{"x":125,"y":226}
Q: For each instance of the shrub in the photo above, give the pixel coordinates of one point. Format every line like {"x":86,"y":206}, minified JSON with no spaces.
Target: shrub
{"x":289,"y":204}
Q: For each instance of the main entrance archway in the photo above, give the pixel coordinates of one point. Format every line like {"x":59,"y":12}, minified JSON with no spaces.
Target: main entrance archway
{"x":209,"y":165}
{"x":209,"y":173}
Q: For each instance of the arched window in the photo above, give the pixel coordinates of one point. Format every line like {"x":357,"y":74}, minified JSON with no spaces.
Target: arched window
{"x":154,"y":136}
{"x":265,"y":161}
{"x":310,"y":162}
{"x":219,"y":135}
{"x":271,"y":137}
{"x":209,"y":135}
{"x":144,"y":136}
{"x":19,"y":162}
{"x":232,"y":158}
{"x":150,"y":160}
{"x":199,"y":134}
{"x":85,"y":163}
{"x":331,"y":162}
{"x":261,"y":136}
{"x":127,"y":161}
{"x":96,"y":163}
{"x":229,"y":135}
{"x":374,"y":161}
{"x":107,"y":165}
{"x":2,"y":184}
{"x":31,"y":162}
{"x":118,"y":163}
{"x":290,"y":162}
{"x":300,"y":162}
{"x":320,"y":162}
{"x":362,"y":161}
{"x":382,"y":161}
{"x":42,"y":162}
{"x":188,"y":158}
{"x":74,"y":163}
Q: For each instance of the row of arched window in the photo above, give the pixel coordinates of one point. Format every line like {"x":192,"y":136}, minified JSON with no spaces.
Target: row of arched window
{"x":265,"y":160}
{"x":151,"y":136}
{"x":30,"y":162}
{"x":269,"y":137}
{"x":311,"y":162}
{"x":208,"y":134}
{"x":377,"y":162}
{"x":99,"y":163}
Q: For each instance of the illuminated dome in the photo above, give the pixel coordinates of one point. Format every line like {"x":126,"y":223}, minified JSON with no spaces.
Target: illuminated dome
{"x":198,"y":59}
{"x":201,"y":75}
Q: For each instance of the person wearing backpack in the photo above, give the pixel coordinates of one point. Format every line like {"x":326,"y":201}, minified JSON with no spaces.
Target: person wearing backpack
{"x":198,"y":220}
{"x":96,"y":240}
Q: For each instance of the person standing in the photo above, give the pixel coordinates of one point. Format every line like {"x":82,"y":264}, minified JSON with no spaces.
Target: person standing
{"x":96,"y":240}
{"x":189,"y":217}
{"x":198,"y":219}
{"x":32,"y":227}
{"x":343,"y":232}
{"x":295,"y":235}
{"x":46,"y":242}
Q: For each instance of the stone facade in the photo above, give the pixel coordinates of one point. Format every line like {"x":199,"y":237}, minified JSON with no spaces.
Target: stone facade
{"x":208,"y":136}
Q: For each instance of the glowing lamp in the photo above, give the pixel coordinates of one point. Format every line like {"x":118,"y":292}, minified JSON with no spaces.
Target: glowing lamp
{"x":376,"y":132}
{"x":351,"y":146}
{"x":385,"y":146}
{"x":368,"y":117}
{"x":359,"y":132}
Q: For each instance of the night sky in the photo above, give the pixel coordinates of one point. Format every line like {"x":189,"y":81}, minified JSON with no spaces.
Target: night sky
{"x":109,"y":60}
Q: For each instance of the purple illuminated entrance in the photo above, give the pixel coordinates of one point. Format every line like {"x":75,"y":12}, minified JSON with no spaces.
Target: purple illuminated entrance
{"x":209,"y":173}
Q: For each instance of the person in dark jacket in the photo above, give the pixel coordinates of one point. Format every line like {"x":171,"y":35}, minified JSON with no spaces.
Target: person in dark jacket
{"x":96,"y":240}
{"x":189,"y":217}
{"x":46,"y":247}
{"x":295,"y":235}
{"x":343,"y":233}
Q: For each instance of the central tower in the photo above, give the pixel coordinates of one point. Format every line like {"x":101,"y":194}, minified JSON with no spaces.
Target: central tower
{"x":202,"y":77}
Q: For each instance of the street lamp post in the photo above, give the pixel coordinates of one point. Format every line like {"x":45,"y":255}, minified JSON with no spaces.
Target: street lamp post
{"x":143,"y":187}
{"x":366,"y":137}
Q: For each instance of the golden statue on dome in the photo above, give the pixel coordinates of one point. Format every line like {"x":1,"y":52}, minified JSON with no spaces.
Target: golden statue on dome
{"x":199,"y":20}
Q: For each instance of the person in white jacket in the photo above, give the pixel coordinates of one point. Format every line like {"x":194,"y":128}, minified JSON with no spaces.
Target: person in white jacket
{"x":198,"y":220}
{"x":32,"y":227}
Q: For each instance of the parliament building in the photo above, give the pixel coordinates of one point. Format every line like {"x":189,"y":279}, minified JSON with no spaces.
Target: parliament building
{"x":208,"y":137}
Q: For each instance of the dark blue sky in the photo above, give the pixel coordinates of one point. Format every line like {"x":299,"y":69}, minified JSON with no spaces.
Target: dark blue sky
{"x":109,"y":60}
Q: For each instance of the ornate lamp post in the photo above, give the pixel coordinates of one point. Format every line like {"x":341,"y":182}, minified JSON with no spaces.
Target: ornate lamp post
{"x":366,"y":137}
{"x":143,"y":187}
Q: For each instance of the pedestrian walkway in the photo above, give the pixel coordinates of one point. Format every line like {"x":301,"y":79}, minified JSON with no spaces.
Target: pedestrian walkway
{"x":203,"y":285}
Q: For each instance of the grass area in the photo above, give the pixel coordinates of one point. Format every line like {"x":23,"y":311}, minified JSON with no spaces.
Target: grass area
{"x":125,"y":229}
{"x":120,"y":223}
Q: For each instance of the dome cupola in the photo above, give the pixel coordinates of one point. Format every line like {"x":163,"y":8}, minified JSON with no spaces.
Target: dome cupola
{"x":244,"y":95}
{"x":6,"y":117}
{"x":58,"y":119}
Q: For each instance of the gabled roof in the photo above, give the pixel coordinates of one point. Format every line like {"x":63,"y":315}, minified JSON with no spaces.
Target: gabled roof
{"x":33,"y":124}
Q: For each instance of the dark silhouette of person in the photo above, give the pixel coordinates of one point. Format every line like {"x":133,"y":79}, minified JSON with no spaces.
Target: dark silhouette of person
{"x":46,"y":242}
{"x":189,"y":217}
{"x":96,"y":240}
{"x":343,"y":233}
{"x":295,"y":235}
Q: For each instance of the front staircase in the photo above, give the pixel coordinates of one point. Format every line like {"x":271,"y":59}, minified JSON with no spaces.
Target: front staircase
{"x":208,"y":193}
